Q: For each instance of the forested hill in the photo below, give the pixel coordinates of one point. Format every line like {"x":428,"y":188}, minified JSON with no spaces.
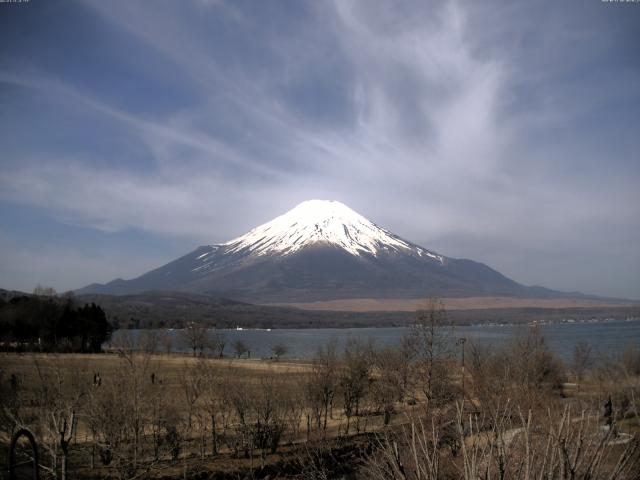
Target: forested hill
{"x":172,"y":310}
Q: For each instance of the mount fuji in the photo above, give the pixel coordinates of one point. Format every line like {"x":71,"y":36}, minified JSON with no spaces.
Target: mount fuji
{"x":321,"y":250}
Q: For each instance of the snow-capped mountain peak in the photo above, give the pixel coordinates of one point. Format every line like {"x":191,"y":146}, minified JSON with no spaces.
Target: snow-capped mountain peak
{"x":319,"y":250}
{"x":325,"y":222}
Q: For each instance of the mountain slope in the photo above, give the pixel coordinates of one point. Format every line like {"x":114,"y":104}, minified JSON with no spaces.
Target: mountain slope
{"x":320,"y":250}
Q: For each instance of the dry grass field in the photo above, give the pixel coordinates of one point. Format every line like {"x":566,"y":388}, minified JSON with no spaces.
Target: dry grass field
{"x":168,"y":369}
{"x":471,"y":303}
{"x":174,"y":393}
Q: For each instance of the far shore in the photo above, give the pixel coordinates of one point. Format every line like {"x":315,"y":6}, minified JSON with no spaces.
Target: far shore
{"x":469,"y":303}
{"x":568,"y":321}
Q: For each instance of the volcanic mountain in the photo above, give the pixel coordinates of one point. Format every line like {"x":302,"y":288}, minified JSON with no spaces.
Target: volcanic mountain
{"x":321,"y":250}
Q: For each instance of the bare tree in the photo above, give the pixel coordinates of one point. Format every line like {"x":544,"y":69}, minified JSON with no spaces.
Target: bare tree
{"x":240,"y":348}
{"x":195,"y":337}
{"x":582,"y":359}
{"x":412,"y":453}
{"x":491,"y":373}
{"x":535,"y":372}
{"x":131,"y":386}
{"x":630,"y":358}
{"x":219,"y":343}
{"x":504,"y":446}
{"x":11,"y":403}
{"x":322,"y":383}
{"x":271,"y":412}
{"x":240,"y":396}
{"x":149,"y":341}
{"x":214,"y":401}
{"x":165,"y":341}
{"x":60,"y":396}
{"x":116,"y":419}
{"x":192,"y":382}
{"x":354,"y":378}
{"x":158,"y":404}
{"x":431,"y":337}
{"x":44,"y":291}
{"x":279,"y":350}
{"x":391,"y":382}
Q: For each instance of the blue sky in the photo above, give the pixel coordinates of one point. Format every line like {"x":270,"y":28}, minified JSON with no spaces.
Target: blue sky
{"x":132,"y":132}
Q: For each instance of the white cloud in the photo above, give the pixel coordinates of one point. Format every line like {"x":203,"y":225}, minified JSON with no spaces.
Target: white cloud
{"x":438,"y":137}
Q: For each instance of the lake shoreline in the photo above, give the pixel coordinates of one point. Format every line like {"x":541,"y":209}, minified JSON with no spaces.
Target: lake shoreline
{"x":608,"y":337}
{"x":483,"y":324}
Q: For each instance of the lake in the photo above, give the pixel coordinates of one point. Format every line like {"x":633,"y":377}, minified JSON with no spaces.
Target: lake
{"x":606,"y":338}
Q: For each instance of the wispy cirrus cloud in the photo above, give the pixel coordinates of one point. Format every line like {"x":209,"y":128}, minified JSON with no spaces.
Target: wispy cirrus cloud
{"x":485,"y":131}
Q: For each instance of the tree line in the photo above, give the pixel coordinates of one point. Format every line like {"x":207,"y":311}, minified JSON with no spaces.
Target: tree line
{"x":48,"y":323}
{"x":197,"y":339}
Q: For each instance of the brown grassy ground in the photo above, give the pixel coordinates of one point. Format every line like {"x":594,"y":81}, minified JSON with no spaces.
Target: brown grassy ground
{"x":168,"y":370}
{"x":471,"y":303}
{"x":169,"y":365}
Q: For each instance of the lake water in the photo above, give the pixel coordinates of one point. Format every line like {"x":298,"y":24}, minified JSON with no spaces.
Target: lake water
{"x":606,"y":338}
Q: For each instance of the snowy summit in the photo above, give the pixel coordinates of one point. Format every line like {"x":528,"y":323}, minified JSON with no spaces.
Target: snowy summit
{"x":322,"y":221}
